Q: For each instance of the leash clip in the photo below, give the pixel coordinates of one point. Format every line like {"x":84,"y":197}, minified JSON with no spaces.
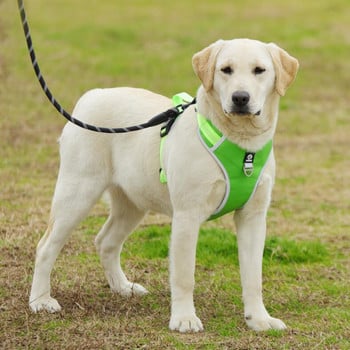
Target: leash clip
{"x":248,"y":164}
{"x":180,"y":108}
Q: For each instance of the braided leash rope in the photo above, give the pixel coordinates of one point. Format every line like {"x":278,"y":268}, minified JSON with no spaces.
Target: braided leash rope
{"x":167,"y":116}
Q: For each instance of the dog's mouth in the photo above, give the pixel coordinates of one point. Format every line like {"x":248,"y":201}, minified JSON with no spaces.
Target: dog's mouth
{"x":243,"y":113}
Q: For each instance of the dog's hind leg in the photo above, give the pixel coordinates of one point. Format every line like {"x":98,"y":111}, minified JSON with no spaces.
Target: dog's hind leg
{"x":72,"y":201}
{"x":124,"y":217}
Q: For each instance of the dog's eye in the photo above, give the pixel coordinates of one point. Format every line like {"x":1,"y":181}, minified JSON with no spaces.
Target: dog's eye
{"x":259,"y":70}
{"x":227,"y":70}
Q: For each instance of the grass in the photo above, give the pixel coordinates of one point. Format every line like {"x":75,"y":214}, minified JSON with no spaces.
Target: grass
{"x":81,"y":45}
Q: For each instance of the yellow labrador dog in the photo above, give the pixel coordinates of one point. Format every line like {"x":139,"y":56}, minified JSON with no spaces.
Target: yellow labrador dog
{"x":242,"y":81}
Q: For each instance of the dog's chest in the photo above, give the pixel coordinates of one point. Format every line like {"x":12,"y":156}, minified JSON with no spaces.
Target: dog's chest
{"x":240,"y":168}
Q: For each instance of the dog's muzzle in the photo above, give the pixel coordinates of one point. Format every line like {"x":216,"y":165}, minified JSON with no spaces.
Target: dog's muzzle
{"x":240,"y":104}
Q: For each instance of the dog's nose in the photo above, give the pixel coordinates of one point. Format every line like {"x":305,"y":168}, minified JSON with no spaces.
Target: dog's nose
{"x":240,"y":98}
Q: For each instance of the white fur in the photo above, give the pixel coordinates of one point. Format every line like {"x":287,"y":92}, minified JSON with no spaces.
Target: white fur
{"x":126,"y":167}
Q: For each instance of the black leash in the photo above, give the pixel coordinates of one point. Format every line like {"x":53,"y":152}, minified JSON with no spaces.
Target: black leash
{"x":168,"y":116}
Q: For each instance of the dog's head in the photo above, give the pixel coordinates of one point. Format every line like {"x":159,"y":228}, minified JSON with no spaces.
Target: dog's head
{"x":242,"y":74}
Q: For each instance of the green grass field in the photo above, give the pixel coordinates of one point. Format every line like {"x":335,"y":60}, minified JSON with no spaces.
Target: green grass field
{"x":86,"y":44}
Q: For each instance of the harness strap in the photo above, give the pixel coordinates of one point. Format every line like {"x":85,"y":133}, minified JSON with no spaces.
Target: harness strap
{"x":241,"y":168}
{"x":211,"y":135}
{"x":180,"y":99}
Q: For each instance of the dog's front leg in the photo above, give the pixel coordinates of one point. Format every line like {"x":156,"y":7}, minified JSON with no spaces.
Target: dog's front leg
{"x":251,"y":232}
{"x":182,"y":267}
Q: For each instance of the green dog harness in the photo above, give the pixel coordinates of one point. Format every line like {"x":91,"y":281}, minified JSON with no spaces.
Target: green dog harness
{"x":242,"y":169}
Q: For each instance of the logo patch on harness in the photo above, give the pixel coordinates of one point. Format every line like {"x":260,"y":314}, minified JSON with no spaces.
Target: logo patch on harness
{"x":248,"y":164}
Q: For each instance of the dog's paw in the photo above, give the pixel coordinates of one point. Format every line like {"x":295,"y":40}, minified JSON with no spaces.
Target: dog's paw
{"x":190,"y":323}
{"x":131,"y":289}
{"x":45,"y":303}
{"x":263,"y":324}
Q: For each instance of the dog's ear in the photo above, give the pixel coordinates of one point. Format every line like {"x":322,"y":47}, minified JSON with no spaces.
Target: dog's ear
{"x":286,"y":67}
{"x":203,"y":63}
